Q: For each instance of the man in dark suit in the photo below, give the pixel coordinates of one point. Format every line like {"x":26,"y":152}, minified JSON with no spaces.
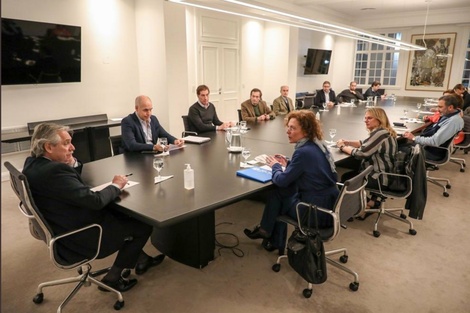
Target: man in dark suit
{"x":326,"y":95}
{"x":140,"y":130}
{"x":67,"y":204}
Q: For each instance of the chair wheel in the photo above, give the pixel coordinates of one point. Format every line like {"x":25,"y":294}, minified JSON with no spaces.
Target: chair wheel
{"x":445,"y":194}
{"x":343,"y":259}
{"x":354,"y":286}
{"x":38,"y":298}
{"x":118,"y":305}
{"x":412,"y":232}
{"x":307,"y":293}
{"x":448,"y":186}
{"x":403,"y":216}
{"x":376,"y":233}
{"x":462,"y":170}
{"x":276,"y":267}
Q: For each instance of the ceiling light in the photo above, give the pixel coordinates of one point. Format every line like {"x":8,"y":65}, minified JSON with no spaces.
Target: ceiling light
{"x":241,"y":8}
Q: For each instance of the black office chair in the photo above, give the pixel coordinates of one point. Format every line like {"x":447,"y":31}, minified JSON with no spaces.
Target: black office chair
{"x":40,"y":229}
{"x":404,"y":188}
{"x":186,"y":127}
{"x":351,"y":200}
{"x":434,"y":165}
{"x":308,"y":102}
{"x":116,"y":142}
{"x":240,"y":118}
{"x":465,"y":147}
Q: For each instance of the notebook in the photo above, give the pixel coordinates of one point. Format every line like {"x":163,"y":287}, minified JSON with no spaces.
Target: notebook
{"x":259,"y":174}
{"x":196,"y":139}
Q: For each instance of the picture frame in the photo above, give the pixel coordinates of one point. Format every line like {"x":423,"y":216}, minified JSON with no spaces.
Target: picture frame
{"x":429,"y":70}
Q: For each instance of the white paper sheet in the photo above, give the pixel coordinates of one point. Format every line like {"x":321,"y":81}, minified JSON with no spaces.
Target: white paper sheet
{"x":101,"y":187}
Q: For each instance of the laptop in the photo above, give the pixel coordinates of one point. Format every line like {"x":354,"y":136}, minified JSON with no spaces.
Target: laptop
{"x":196,"y":139}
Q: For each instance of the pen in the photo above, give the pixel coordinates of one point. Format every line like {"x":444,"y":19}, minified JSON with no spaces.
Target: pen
{"x":130,"y":174}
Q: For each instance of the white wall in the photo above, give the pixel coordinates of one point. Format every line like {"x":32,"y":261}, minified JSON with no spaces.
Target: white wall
{"x":110,"y":78}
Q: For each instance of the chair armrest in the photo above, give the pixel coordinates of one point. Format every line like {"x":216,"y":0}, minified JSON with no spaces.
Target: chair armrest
{"x":186,"y":132}
{"x":55,"y":239}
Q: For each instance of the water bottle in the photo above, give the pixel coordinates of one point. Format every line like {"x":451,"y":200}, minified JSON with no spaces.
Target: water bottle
{"x":188,"y":177}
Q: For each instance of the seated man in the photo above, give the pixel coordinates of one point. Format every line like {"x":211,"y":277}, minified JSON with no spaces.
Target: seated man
{"x":140,"y":130}
{"x":373,"y":91}
{"x":202,"y":116}
{"x":439,"y":134}
{"x":283,"y":104}
{"x":326,"y":95}
{"x":67,"y":203}
{"x":255,"y":109}
{"x":350,"y":94}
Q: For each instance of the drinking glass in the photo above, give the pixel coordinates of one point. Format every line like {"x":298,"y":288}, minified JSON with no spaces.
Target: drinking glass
{"x":418,"y":105}
{"x":324,"y":104}
{"x":246,"y":154}
{"x":164,"y":143}
{"x":243,"y":128}
{"x":332,"y":134}
{"x":158,"y":165}
{"x":405,"y":112}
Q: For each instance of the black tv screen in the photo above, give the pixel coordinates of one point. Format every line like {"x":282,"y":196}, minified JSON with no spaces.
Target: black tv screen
{"x":38,"y":53}
{"x":318,"y":61}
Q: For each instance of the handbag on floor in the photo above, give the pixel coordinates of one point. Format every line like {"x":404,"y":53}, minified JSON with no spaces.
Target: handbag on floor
{"x":305,"y":250}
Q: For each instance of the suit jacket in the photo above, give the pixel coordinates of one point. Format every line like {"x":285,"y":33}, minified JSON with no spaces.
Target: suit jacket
{"x":133,"y":137}
{"x":279,"y":105}
{"x":67,"y":203}
{"x":320,"y":97}
{"x":370,"y":93}
{"x":248,"y":113}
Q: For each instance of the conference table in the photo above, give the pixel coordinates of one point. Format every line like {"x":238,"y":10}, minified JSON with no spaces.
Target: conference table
{"x":184,"y":220}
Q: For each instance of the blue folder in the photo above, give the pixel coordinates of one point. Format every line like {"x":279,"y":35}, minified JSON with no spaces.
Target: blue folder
{"x":256,"y":173}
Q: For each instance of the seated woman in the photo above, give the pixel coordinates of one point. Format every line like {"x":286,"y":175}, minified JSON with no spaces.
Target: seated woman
{"x":379,"y":149}
{"x":310,"y":176}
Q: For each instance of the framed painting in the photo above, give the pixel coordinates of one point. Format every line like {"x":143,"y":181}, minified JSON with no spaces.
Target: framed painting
{"x":429,"y":70}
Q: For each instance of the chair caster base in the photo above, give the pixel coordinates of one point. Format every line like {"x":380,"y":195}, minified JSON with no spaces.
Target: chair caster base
{"x":118,"y":305}
{"x":38,"y":298}
{"x":307,"y":293}
{"x":343,"y":259}
{"x":376,"y":233}
{"x":445,"y":194}
{"x":412,"y":232}
{"x":276,"y":267}
{"x":354,"y":286}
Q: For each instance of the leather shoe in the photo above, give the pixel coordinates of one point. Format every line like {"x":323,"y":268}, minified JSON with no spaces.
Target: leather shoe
{"x":141,"y":268}
{"x":256,"y":233}
{"x":120,"y":285}
{"x":268,"y":245}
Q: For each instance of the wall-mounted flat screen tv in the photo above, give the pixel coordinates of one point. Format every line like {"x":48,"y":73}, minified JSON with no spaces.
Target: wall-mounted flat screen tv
{"x":38,"y":53}
{"x":318,"y":61}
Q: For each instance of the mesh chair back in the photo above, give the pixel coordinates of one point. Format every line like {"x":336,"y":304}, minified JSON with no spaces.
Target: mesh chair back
{"x":185,"y":122}
{"x":352,"y":199}
{"x":19,"y":184}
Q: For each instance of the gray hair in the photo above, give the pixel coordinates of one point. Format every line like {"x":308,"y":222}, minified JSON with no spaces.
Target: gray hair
{"x":44,"y":133}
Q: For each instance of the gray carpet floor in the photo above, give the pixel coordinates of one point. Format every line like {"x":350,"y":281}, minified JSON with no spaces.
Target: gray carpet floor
{"x":429,"y":272}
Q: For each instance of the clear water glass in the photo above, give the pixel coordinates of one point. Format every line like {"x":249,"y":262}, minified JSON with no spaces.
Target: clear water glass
{"x":418,"y":105}
{"x":405,"y":112}
{"x":246,"y":154}
{"x":332,"y":134}
{"x":163,"y":141}
{"x":158,"y":165}
{"x":324,"y":105}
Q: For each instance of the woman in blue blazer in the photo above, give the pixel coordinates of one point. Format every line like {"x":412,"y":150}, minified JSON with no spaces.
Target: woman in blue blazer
{"x":310,"y":176}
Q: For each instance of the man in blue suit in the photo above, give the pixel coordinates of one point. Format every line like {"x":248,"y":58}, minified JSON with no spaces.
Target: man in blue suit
{"x":140,"y":130}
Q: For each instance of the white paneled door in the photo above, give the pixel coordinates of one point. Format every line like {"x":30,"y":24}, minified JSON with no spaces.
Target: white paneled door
{"x":219,"y":70}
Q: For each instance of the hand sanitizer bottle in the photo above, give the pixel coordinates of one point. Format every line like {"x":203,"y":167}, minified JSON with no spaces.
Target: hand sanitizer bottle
{"x":188,"y":177}
{"x":317,"y":116}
